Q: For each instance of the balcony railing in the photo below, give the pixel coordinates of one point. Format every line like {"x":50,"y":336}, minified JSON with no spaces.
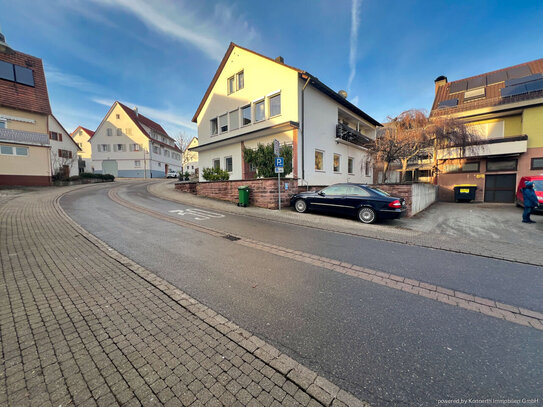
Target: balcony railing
{"x":24,"y":137}
{"x":345,"y":133}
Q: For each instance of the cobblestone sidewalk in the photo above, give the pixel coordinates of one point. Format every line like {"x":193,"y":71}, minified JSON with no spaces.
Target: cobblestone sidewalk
{"x":82,"y":325}
{"x":524,"y":252}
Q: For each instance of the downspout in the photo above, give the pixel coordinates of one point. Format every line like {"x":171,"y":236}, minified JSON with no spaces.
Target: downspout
{"x":303,"y":126}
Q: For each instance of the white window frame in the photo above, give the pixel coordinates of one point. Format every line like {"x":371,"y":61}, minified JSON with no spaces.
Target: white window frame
{"x":237,"y":80}
{"x":322,"y":163}
{"x":21,"y":148}
{"x":334,"y":164}
{"x":269,"y":104}
{"x":3,"y":123}
{"x":109,"y":132}
{"x":216,"y":119}
{"x":230,"y":121}
{"x":350,"y":159}
{"x":221,"y":131}
{"x":137,"y":163}
{"x":214,"y":160}
{"x":119,"y":132}
{"x":263,"y":101}
{"x":250,"y":114}
{"x":231,"y":89}
{"x":226,"y":165}
{"x":12,"y":150}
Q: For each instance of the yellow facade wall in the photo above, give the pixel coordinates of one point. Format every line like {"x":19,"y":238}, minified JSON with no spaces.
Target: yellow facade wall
{"x":40,"y":125}
{"x":36,"y":163}
{"x":82,"y":137}
{"x":532,"y":125}
{"x":513,"y":126}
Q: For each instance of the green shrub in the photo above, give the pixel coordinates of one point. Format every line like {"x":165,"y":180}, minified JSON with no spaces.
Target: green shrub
{"x":104,"y":177}
{"x":74,"y":178}
{"x":215,"y":174}
{"x":263,"y":159}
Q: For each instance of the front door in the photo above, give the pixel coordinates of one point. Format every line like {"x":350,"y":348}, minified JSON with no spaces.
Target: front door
{"x":500,"y":188}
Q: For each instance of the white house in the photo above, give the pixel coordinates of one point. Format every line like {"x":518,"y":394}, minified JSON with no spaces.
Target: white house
{"x":128,"y":144}
{"x":254,"y":99}
{"x":190,"y":158}
{"x":64,"y":149}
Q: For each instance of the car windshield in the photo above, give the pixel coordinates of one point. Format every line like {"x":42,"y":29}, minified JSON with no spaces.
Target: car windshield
{"x":538,"y":185}
{"x":380,"y":191}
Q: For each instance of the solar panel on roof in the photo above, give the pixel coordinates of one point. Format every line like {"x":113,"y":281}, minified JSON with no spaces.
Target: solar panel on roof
{"x":518,"y":72}
{"x":24,"y":75}
{"x":458,"y":86}
{"x":513,"y":90}
{"x":6,"y":71}
{"x":476,"y":82}
{"x":524,"y":79}
{"x":447,"y":103}
{"x":496,"y":77}
{"x":534,"y":86}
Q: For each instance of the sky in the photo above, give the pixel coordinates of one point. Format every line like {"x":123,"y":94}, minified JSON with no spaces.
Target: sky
{"x":161,"y":55}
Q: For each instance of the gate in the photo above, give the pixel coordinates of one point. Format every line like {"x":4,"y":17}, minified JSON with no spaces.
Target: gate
{"x":500,"y":188}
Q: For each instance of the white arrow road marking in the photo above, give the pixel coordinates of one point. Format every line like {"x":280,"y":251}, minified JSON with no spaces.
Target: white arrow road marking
{"x":199,"y":214}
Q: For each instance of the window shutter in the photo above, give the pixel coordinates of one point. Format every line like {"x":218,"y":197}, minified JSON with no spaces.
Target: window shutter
{"x":99,"y":148}
{"x":59,"y":153}
{"x":69,"y":154}
{"x":59,"y":136}
{"x":50,"y":136}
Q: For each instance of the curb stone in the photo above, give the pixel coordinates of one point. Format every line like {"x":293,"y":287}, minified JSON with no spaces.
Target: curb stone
{"x":322,"y":390}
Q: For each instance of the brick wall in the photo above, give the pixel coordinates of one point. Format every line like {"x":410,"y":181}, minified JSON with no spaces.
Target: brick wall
{"x":262,"y":192}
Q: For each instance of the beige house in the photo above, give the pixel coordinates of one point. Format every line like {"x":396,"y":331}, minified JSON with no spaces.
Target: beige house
{"x":253,"y":99}
{"x":63,"y":150}
{"x":25,"y":157}
{"x":82,"y":137}
{"x":190,"y":157}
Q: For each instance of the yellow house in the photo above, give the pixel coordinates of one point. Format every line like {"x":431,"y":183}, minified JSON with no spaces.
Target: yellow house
{"x":190,"y":157}
{"x":24,"y":111}
{"x":253,"y":99}
{"x":82,"y":136}
{"x":505,"y":108}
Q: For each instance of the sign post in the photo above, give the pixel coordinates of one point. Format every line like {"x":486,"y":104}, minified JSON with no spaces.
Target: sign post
{"x":279,"y":168}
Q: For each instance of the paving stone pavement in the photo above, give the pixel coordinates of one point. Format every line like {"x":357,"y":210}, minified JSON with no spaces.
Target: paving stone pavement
{"x":80,"y":324}
{"x":523,"y":252}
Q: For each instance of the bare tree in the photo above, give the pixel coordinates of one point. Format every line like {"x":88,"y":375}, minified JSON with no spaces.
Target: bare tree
{"x":183,"y":141}
{"x":386,"y":148}
{"x":59,"y":162}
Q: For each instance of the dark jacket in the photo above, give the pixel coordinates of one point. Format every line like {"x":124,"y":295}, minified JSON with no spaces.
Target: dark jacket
{"x":530,"y":198}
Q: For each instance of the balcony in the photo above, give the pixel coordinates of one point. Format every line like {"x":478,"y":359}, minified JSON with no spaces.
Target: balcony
{"x":345,"y":133}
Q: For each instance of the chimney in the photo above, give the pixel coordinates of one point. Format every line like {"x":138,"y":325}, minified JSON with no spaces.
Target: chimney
{"x":136,"y":110}
{"x":280,"y":59}
{"x":440,"y":80}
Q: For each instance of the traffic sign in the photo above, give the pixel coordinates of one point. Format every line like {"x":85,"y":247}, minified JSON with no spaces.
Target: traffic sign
{"x":279,"y":170}
{"x":279,"y":162}
{"x":276,"y":147}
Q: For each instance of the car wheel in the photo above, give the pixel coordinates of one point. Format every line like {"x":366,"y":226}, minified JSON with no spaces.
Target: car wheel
{"x":366,"y":215}
{"x":300,"y":206}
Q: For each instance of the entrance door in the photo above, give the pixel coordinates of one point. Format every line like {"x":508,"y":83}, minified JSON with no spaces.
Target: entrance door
{"x":110,"y":167}
{"x":500,"y":188}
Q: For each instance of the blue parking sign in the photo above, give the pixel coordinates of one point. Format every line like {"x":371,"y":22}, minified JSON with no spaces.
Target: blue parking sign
{"x":279,"y":162}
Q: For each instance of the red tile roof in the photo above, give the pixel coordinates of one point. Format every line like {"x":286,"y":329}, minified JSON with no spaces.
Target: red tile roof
{"x":492,"y":93}
{"x":17,"y":96}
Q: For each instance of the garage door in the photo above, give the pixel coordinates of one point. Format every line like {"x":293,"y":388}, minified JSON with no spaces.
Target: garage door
{"x":110,"y":167}
{"x":500,"y":188}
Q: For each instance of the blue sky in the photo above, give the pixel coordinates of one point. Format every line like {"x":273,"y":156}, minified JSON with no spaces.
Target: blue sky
{"x":160,"y":55}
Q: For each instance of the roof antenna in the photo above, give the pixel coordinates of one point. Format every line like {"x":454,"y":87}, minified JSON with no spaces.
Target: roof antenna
{"x":4,"y":47}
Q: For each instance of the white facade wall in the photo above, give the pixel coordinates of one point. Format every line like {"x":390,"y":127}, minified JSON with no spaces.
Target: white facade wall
{"x":205,"y":159}
{"x":321,"y":118}
{"x":66,"y":144}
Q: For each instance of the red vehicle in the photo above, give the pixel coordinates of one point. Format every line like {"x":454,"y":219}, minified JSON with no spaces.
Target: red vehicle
{"x":538,"y":188}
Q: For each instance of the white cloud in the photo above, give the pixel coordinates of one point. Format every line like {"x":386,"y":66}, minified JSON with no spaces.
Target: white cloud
{"x":355,"y":22}
{"x":208,"y":32}
{"x":174,"y":119}
{"x":57,"y":77}
{"x":354,"y":100}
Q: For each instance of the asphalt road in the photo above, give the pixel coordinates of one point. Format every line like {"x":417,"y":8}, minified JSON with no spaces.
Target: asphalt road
{"x":388,"y":347}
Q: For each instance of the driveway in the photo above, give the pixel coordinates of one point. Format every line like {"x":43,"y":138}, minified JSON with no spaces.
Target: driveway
{"x":485,"y":221}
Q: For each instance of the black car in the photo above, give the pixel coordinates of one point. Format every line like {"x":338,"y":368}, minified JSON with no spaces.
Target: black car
{"x":367,"y":203}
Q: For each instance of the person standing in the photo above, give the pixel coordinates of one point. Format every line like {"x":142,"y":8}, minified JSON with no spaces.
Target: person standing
{"x":530,"y":201}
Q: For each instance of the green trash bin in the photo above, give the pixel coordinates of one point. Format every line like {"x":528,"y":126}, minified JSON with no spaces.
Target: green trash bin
{"x":243,"y":192}
{"x":464,"y":192}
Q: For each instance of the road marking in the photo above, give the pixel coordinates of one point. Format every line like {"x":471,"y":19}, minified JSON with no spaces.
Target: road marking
{"x":199,"y":214}
{"x":511,"y":313}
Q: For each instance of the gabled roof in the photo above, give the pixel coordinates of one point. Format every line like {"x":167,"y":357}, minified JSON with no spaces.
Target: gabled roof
{"x":140,"y":120}
{"x":89,"y":132}
{"x":314,"y":81}
{"x":65,"y":131}
{"x":23,"y":97}
{"x":492,"y":82}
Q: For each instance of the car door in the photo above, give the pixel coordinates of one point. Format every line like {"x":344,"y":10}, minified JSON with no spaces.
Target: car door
{"x":328,"y":199}
{"x":355,"y":197}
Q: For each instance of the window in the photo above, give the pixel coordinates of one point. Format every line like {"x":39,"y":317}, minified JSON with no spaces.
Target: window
{"x":213,"y":126}
{"x":128,"y":131}
{"x":118,"y":116}
{"x":135,"y":147}
{"x":350,"y":165}
{"x":64,"y":153}
{"x":319,"y":156}
{"x":259,"y":111}
{"x":228,"y":164}
{"x":275,"y":105}
{"x":216,"y":163}
{"x":501,"y":165}
{"x":119,"y":132}
{"x":80,"y":145}
{"x":53,"y":135}
{"x":6,"y":150}
{"x":156,"y":150}
{"x":252,"y":167}
{"x":337,"y":159}
{"x":356,"y":191}
{"x":137,"y":163}
{"x":461,"y":167}
{"x":110,"y":132}
{"x":166,"y":153}
{"x":335,"y":190}
{"x":192,"y":166}
{"x":223,"y":123}
{"x":231,"y":85}
{"x":3,"y":124}
{"x":537,"y":163}
{"x":246,"y":115}
{"x":103,"y":148}
{"x":234,"y":120}
{"x":241,"y":80}
{"x":119,"y":147}
{"x":24,"y":151}
{"x":367,"y":168}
